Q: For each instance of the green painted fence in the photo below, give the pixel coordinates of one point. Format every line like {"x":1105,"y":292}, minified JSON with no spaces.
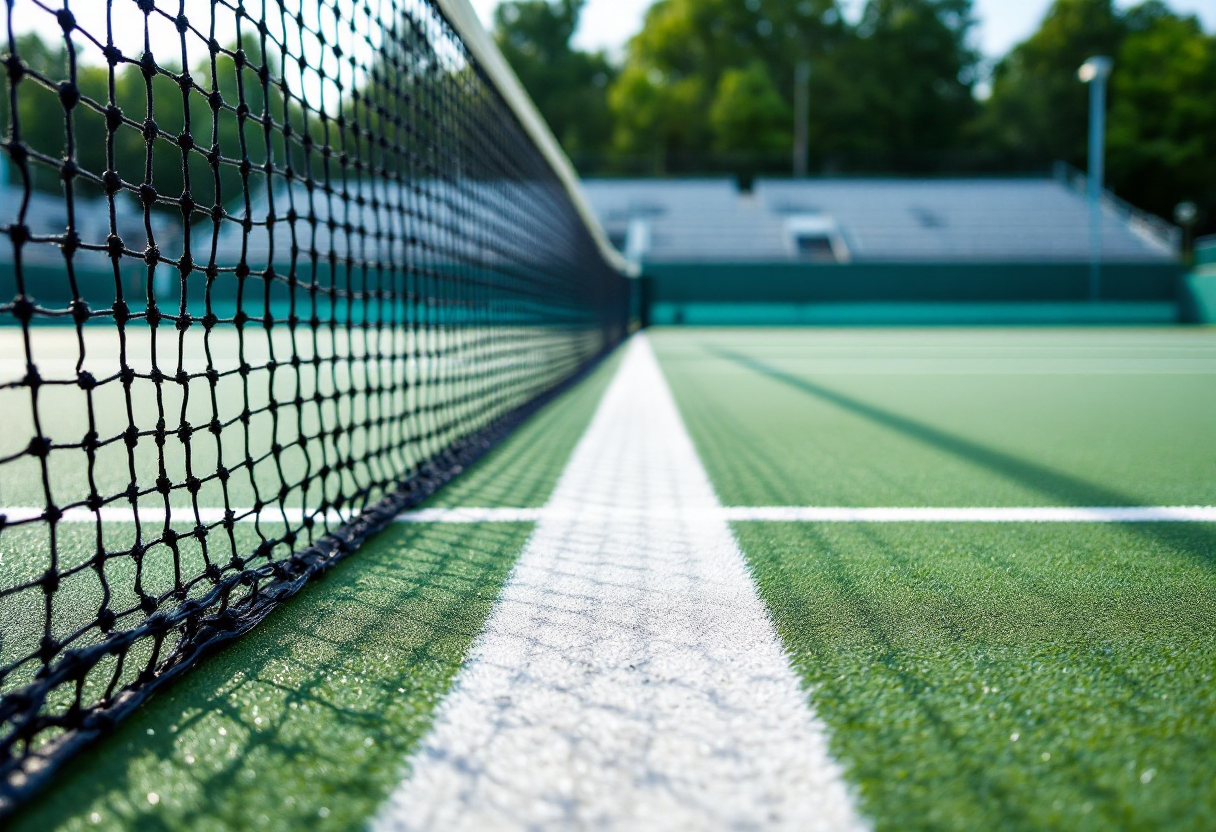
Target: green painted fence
{"x":1199,"y":304}
{"x":908,"y":293}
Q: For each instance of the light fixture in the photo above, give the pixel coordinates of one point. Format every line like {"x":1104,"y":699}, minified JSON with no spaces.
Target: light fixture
{"x":1095,"y":69}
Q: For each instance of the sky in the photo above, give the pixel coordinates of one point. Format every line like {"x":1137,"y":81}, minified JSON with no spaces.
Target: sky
{"x":608,"y":24}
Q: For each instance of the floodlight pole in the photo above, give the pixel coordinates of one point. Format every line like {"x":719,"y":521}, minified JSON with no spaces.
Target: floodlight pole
{"x":1095,"y":72}
{"x":802,"y":118}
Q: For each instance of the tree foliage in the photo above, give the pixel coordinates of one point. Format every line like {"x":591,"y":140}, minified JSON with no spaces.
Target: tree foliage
{"x":1038,"y":106}
{"x":899,"y":78}
{"x":748,"y":112}
{"x":708,"y":86}
{"x":1161,"y":138}
{"x":159,"y":105}
{"x":708,"y":77}
{"x":911,"y":65}
{"x":569,"y":87}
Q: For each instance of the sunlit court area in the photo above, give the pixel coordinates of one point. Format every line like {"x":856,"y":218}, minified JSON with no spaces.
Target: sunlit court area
{"x":577,"y":414}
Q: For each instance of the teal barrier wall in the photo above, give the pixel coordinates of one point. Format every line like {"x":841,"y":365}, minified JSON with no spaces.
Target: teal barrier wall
{"x":1201,"y":298}
{"x":778,"y":293}
{"x":1205,"y":251}
{"x":1199,"y":304}
{"x":51,"y":288}
{"x":914,"y":314}
{"x":913,"y":293}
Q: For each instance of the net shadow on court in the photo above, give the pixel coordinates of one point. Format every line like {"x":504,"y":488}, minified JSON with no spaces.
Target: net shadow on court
{"x":331,"y":693}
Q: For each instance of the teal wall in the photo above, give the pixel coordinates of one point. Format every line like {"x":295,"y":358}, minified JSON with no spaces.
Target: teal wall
{"x":788,"y":293}
{"x":1200,"y":295}
{"x":1205,"y":252}
{"x":914,"y":314}
{"x":908,"y":293}
{"x":51,"y":288}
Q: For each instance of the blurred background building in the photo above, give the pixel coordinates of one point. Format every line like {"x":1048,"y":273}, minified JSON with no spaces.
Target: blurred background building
{"x":935,"y":174}
{"x":887,"y":250}
{"x":845,"y":135}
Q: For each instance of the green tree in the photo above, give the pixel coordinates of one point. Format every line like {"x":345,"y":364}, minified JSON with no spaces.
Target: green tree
{"x":901,"y":78}
{"x":40,"y":122}
{"x":43,"y":120}
{"x":748,"y":113}
{"x":657,"y":117}
{"x":909,"y":71}
{"x":694,"y":59}
{"x":1162,"y":135}
{"x":1038,"y":108}
{"x":569,"y":87}
{"x":1161,"y":139}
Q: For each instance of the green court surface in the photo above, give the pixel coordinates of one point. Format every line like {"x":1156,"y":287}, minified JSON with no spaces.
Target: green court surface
{"x":1006,"y":676}
{"x":971,"y":676}
{"x":945,"y":417}
{"x":307,"y":722}
{"x":982,"y":676}
{"x":437,"y":386}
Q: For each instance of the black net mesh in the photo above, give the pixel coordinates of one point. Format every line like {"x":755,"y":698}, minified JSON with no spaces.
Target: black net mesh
{"x":278,"y":269}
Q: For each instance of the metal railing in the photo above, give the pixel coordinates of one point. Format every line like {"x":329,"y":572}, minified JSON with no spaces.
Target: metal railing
{"x":1161,"y":233}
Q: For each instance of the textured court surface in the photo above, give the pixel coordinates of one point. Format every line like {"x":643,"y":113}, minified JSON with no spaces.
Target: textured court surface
{"x":979,"y":676}
{"x":941,"y":417}
{"x":969,"y":675}
{"x":629,"y":676}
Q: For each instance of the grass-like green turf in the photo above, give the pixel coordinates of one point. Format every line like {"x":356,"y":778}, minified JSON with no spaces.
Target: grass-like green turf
{"x":1006,"y":677}
{"x":308,"y":720}
{"x":1012,"y":676}
{"x":521,"y":472}
{"x":950,"y":417}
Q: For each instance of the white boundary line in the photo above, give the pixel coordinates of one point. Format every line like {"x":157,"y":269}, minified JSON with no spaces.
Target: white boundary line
{"x":628,"y":677}
{"x":1130,"y":514}
{"x":738,"y":514}
{"x":830,"y":514}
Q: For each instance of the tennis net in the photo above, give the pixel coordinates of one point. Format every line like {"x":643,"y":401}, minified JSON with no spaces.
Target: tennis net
{"x":278,"y":269}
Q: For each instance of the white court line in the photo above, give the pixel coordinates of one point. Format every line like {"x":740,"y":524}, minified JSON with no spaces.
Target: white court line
{"x":628,"y":676}
{"x":829,"y":514}
{"x":1114,"y":514}
{"x":779,"y":514}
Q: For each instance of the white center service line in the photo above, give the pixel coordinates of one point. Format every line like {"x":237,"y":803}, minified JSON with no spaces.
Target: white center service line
{"x":629,"y":676}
